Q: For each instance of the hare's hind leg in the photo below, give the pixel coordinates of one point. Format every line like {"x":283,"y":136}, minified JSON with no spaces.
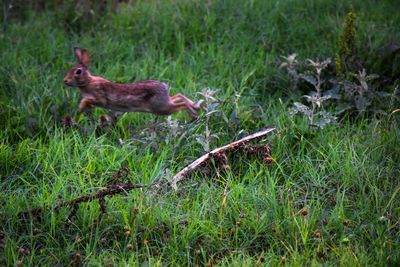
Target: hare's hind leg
{"x":179,"y":105}
{"x":191,"y":107}
{"x":180,"y":97}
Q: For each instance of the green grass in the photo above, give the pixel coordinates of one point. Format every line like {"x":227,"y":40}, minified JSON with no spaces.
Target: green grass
{"x":331,"y":197}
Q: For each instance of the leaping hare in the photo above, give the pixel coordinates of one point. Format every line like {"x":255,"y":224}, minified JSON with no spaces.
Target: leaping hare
{"x":145,"y":96}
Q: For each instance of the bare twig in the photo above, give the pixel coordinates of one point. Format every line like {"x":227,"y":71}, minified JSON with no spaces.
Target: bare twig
{"x":218,"y":151}
{"x":108,"y":191}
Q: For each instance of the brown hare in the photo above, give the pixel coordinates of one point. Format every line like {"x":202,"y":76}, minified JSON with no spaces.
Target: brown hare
{"x":144,"y":96}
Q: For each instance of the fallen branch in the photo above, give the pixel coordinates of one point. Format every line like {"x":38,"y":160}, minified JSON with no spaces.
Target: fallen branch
{"x":108,"y":191}
{"x":117,"y":188}
{"x":216,"y":153}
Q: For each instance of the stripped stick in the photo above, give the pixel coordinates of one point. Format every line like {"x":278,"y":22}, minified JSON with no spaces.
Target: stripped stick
{"x":180,"y":175}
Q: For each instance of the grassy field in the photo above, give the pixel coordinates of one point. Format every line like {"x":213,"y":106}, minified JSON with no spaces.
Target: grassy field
{"x":330,"y":196}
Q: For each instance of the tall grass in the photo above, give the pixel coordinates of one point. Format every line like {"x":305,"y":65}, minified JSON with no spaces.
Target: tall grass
{"x":330,"y":196}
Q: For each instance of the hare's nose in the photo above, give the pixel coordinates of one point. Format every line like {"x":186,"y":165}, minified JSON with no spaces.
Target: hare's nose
{"x":65,"y":81}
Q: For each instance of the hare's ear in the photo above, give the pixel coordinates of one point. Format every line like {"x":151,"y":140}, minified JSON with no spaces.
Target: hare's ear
{"x":82,"y":55}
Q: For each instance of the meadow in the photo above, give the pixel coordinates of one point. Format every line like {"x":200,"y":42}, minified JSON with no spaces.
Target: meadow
{"x":329,"y":196}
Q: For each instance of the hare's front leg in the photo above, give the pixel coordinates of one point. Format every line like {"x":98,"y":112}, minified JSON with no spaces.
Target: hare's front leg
{"x":86,"y":104}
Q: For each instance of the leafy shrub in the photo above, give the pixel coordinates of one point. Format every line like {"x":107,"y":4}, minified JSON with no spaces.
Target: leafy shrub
{"x":340,"y":89}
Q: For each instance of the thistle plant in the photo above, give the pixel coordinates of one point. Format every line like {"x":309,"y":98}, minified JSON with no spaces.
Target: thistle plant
{"x":360,"y":95}
{"x":210,"y":103}
{"x":314,"y":112}
{"x":291,"y":64}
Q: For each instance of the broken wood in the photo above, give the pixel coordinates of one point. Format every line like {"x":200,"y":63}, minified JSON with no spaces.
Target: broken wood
{"x":216,"y":152}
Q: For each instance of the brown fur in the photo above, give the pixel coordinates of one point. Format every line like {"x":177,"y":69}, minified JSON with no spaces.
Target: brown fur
{"x":145,"y":96}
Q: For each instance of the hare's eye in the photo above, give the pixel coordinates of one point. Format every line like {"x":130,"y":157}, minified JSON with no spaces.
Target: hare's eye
{"x":78,"y":71}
